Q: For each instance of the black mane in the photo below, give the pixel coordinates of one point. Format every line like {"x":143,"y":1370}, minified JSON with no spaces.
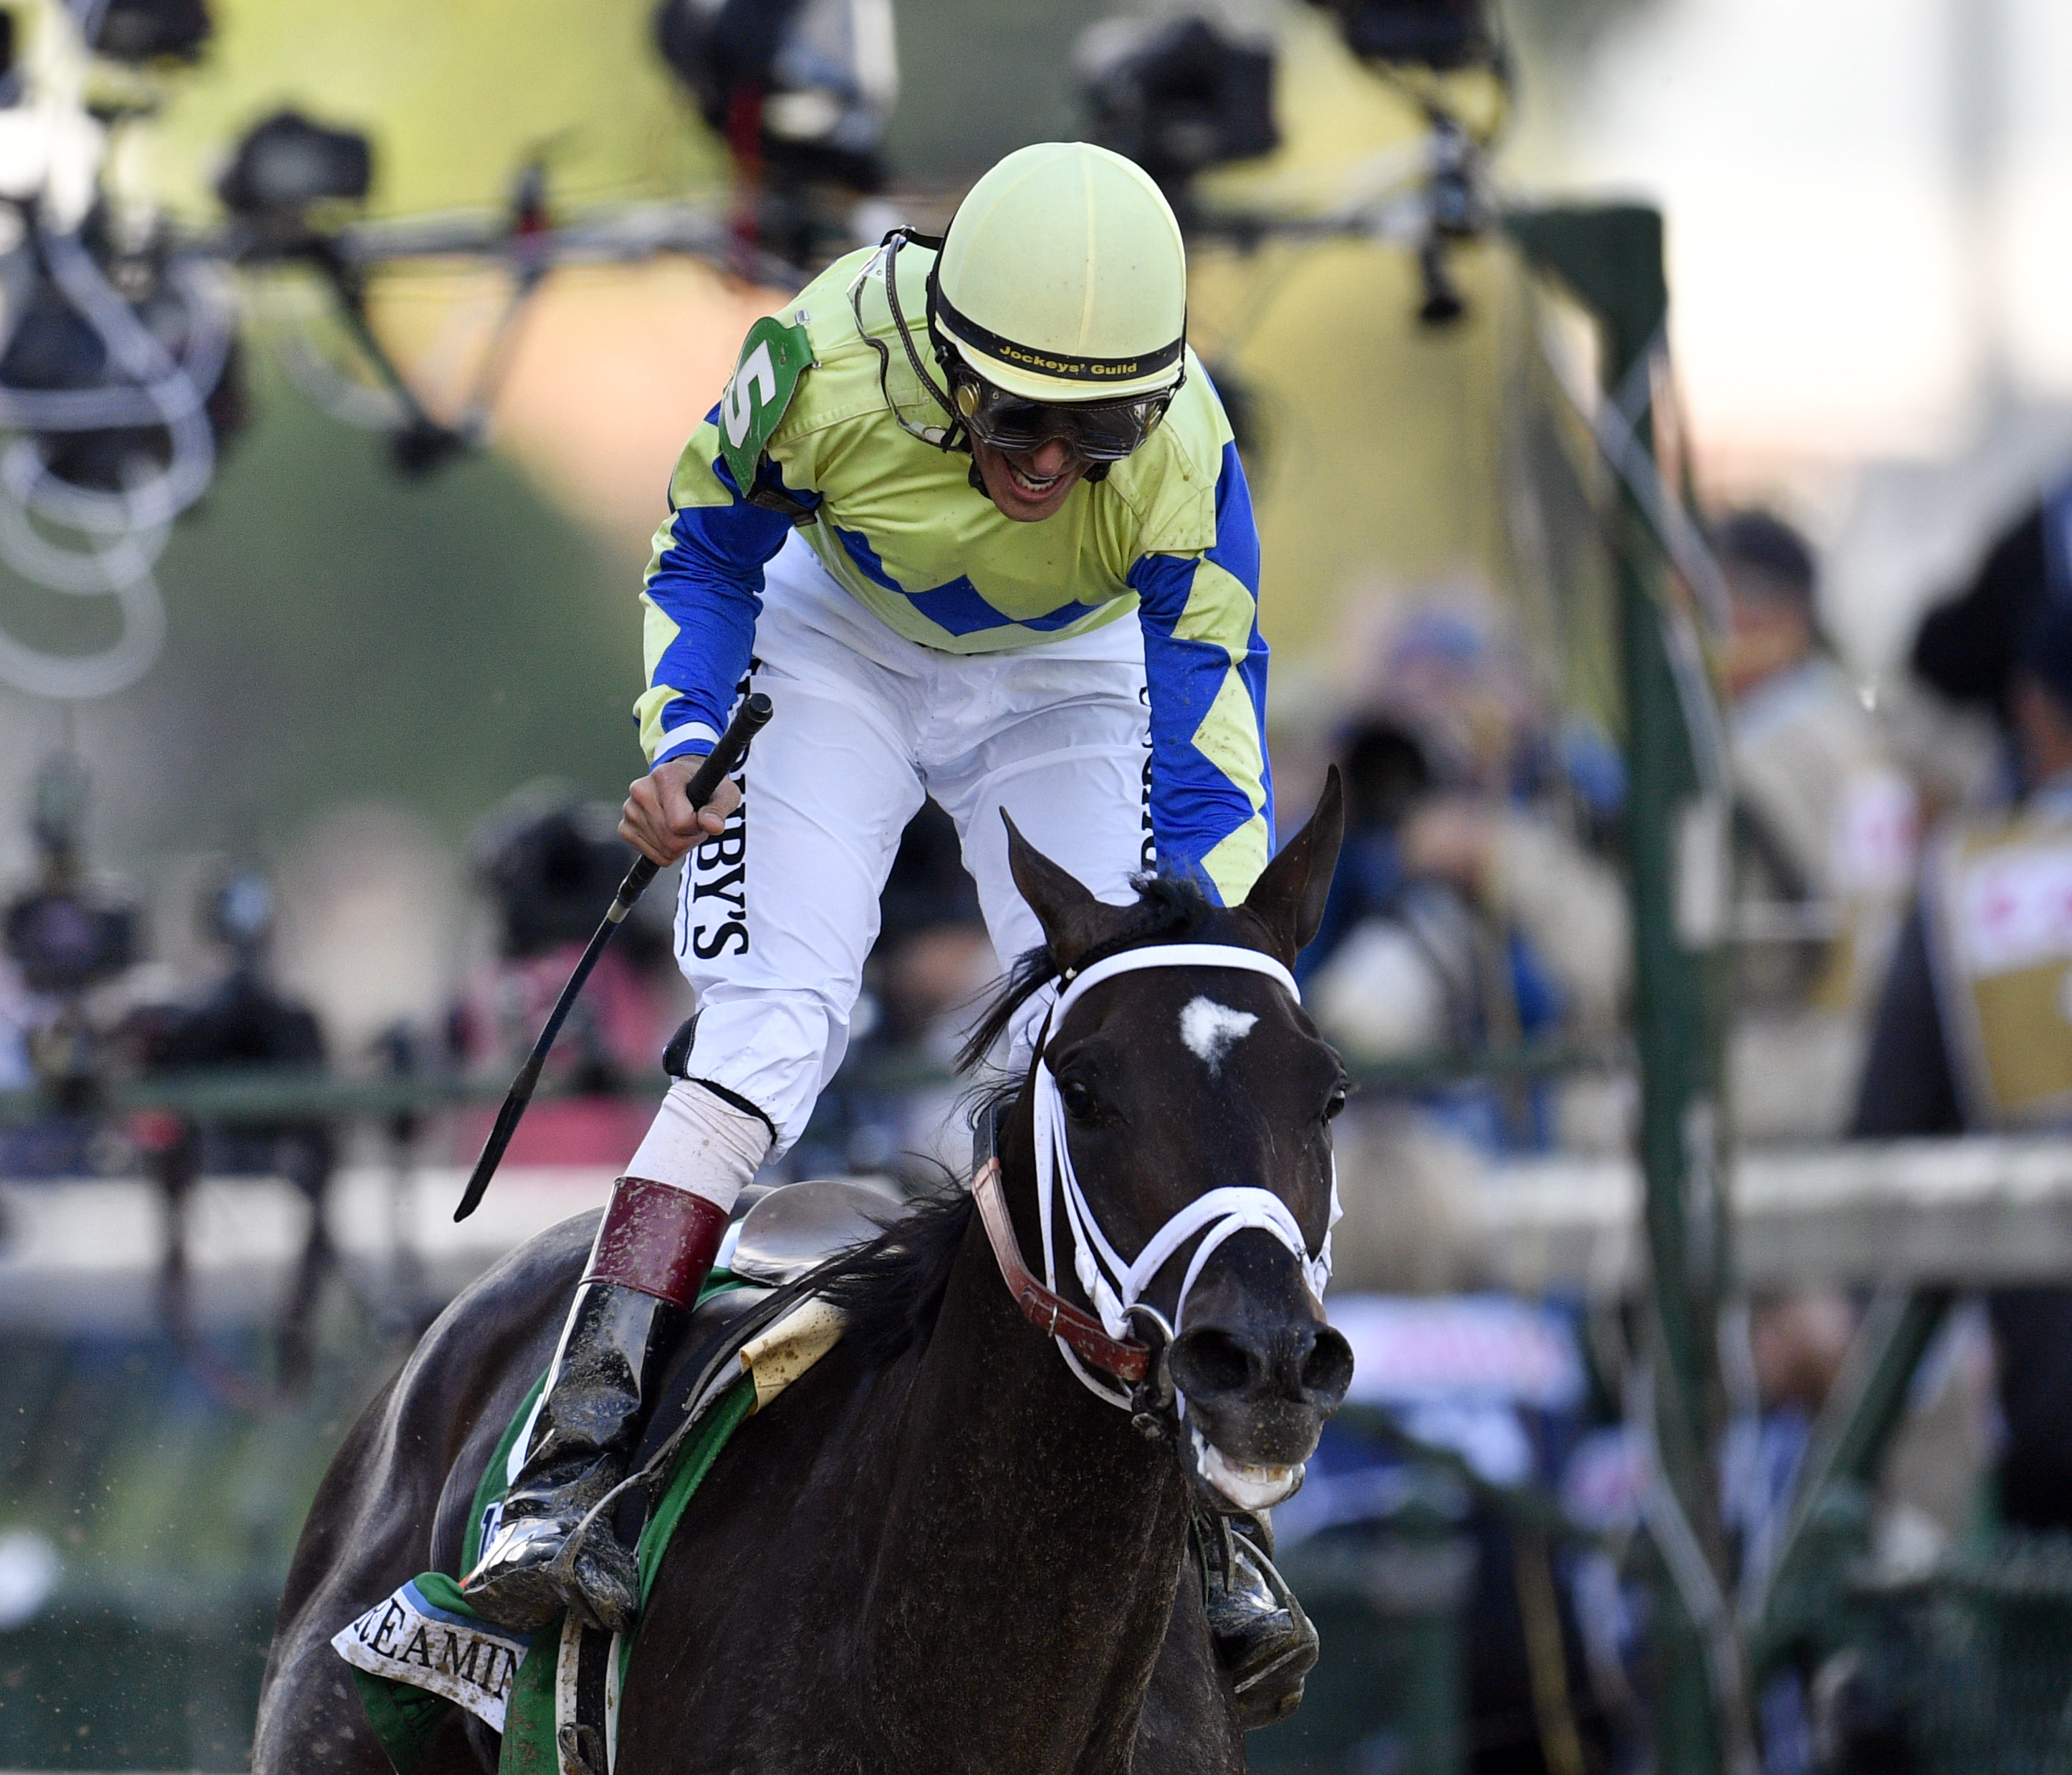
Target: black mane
{"x":891,"y":1290}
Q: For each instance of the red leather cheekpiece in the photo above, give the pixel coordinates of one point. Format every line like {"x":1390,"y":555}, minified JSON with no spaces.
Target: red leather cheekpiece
{"x":1124,"y":1358}
{"x":658,"y":1239}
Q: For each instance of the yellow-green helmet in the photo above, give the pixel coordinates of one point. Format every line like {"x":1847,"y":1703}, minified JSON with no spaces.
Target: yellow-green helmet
{"x":1063,"y":277}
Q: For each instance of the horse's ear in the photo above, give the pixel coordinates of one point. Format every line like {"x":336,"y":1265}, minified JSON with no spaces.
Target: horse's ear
{"x":1072,"y":918}
{"x":1289,"y":896}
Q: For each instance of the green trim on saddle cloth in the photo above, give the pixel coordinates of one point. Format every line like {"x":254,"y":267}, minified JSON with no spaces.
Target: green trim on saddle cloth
{"x":694,"y":1460}
{"x":407,"y":1698}
{"x":530,"y":1724}
{"x":404,"y":1718}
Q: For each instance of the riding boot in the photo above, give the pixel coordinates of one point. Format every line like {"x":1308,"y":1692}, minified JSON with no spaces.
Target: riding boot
{"x":653,"y":1249}
{"x":1263,"y":1638}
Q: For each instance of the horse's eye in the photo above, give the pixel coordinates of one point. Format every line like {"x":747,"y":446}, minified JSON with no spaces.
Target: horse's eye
{"x":1078,"y":1100}
{"x":1337,"y":1100}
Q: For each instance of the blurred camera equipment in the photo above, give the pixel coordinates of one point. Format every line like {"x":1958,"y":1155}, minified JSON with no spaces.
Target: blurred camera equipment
{"x":118,"y":366}
{"x":67,"y":342}
{"x":801,"y":91}
{"x":1177,"y":95}
{"x":117,"y":371}
{"x":549,"y":860}
{"x":1439,"y":34}
{"x":287,"y":165}
{"x":145,"y":30}
{"x":63,"y":935}
{"x":64,"y":942}
{"x":290,"y":189}
{"x":1180,"y":97}
{"x":119,"y":380}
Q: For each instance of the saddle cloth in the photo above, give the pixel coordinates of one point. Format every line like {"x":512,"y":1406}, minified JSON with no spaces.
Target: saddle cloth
{"x":422,"y":1652}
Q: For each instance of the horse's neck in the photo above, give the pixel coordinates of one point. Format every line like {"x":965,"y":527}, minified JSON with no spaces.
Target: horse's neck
{"x":1032,"y":1542}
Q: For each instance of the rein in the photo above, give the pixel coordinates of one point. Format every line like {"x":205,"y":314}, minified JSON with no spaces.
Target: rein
{"x":1114,"y":1285}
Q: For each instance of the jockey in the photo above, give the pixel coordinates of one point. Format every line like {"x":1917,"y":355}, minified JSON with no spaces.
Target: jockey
{"x":970,"y":512}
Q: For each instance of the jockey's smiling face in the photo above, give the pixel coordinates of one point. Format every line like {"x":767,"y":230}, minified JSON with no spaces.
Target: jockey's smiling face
{"x":1029,"y":486}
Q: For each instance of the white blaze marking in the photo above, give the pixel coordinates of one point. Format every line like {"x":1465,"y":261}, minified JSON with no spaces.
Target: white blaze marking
{"x":1209,"y":1029}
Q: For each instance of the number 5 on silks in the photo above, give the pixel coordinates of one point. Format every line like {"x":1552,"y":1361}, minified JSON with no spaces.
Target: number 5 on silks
{"x":773,"y":357}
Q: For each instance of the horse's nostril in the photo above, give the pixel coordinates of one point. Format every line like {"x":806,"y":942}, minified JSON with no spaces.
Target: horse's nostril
{"x":1327,"y":1371}
{"x":1208,"y":1363}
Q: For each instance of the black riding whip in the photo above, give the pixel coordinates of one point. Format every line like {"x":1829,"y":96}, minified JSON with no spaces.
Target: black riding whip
{"x":748,"y":721}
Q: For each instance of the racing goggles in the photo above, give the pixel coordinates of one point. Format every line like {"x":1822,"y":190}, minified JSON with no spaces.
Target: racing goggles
{"x":1094,"y":431}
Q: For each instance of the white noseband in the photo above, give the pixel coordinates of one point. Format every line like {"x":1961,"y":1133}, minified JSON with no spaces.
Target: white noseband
{"x":1112,"y":1283}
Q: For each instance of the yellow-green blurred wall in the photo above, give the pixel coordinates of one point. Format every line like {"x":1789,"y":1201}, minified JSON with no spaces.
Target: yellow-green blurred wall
{"x":457,"y":94}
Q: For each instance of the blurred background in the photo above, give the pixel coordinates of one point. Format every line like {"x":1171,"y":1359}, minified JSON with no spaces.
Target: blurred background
{"x":1659,"y":416}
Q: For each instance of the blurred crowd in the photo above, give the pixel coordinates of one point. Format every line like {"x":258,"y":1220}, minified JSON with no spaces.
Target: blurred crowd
{"x":1901,"y":917}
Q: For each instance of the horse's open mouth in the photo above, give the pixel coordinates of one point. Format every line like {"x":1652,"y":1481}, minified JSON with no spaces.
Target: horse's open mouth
{"x":1247,"y":1486}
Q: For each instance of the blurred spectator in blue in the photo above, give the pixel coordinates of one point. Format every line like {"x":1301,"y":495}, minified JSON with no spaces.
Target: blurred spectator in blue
{"x":1468,"y":914}
{"x":1385,"y":774}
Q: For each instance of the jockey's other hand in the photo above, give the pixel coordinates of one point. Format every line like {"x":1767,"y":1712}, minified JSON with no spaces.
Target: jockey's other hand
{"x":658,"y":820}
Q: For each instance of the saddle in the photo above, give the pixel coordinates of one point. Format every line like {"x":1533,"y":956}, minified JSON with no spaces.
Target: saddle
{"x":777,"y":1235}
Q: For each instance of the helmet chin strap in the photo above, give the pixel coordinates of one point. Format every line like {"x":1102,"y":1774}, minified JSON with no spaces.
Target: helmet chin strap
{"x":944,"y":437}
{"x":1115,"y":1284}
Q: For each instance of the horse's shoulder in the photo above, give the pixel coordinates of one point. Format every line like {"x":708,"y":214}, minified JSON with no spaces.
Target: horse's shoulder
{"x":1190,"y":1724}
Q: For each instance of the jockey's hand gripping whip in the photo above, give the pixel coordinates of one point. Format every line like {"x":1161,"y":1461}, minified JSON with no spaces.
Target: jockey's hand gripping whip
{"x":748,"y":721}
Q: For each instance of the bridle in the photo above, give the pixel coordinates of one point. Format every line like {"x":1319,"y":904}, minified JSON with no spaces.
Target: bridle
{"x":1101,"y":1340}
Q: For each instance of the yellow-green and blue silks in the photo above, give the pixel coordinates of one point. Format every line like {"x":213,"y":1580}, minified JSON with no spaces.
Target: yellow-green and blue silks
{"x":1168,"y":535}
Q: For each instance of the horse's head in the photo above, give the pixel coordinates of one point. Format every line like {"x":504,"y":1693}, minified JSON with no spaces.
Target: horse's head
{"x":1171,"y":1082}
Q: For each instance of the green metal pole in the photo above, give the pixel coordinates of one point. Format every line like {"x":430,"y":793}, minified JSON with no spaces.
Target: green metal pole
{"x":1856,"y":1427}
{"x":1611,"y":257}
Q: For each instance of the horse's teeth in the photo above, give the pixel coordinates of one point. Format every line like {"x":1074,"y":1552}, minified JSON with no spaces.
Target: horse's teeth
{"x":1247,"y":1486}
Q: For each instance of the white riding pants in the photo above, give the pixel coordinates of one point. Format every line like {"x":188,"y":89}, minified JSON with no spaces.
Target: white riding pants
{"x":777,"y":914}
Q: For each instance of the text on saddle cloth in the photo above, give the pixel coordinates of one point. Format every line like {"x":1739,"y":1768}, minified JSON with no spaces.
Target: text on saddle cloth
{"x":423,"y":1650}
{"x":1113,"y":1283}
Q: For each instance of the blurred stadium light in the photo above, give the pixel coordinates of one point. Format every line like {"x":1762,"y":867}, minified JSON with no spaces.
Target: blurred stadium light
{"x":118,"y":365}
{"x":1177,"y":95}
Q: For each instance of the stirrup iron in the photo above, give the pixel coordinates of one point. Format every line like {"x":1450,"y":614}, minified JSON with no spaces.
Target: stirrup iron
{"x":1264,"y":1638}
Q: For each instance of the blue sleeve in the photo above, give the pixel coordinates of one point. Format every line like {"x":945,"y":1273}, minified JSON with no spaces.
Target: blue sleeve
{"x":1211,"y":787}
{"x":703,"y":594}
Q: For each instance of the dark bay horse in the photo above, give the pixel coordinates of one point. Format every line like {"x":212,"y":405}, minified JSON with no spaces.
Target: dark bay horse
{"x":938,"y":1550}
